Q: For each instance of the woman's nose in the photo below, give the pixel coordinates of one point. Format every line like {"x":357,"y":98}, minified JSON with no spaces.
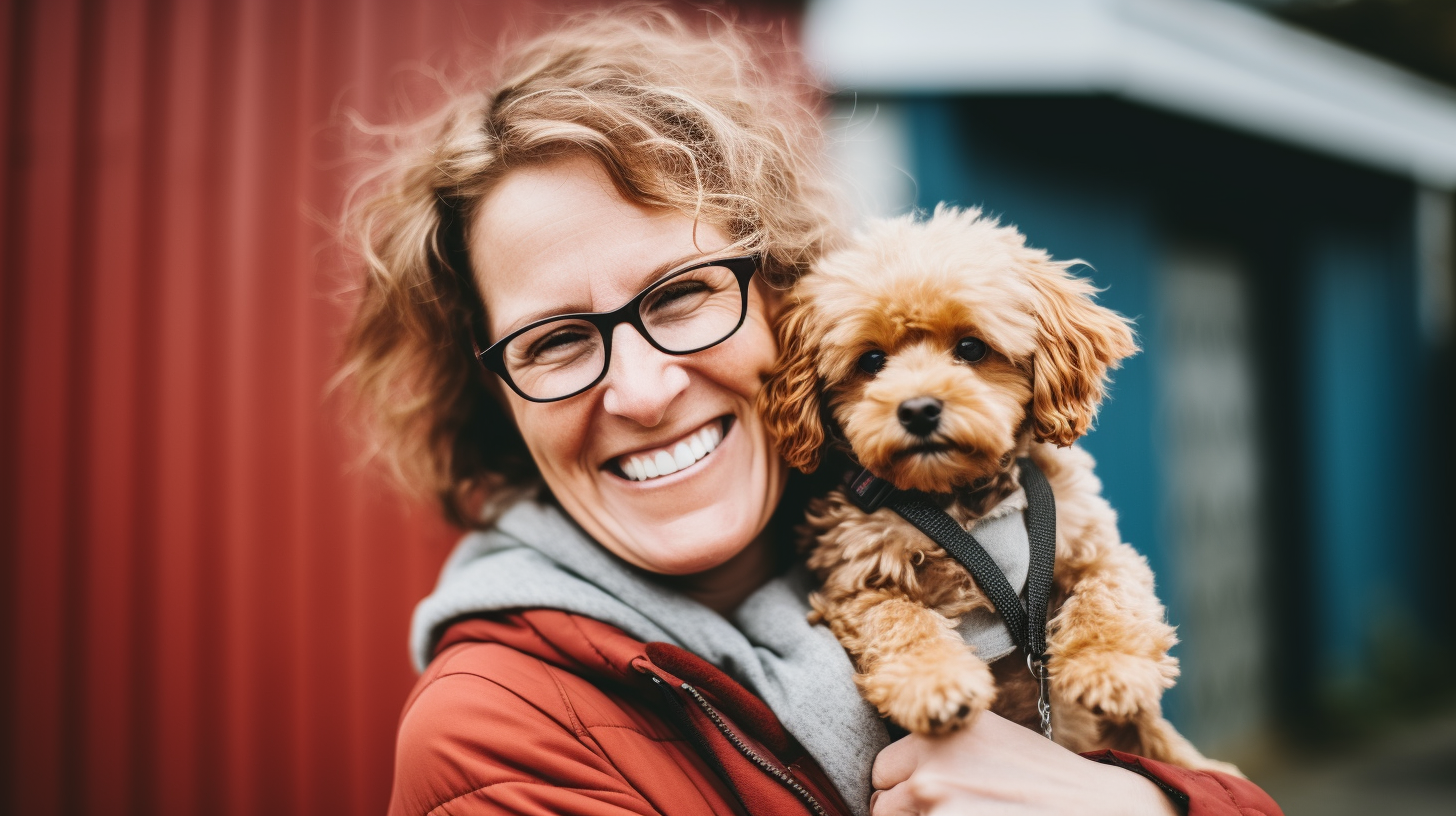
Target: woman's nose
{"x":641,"y":381}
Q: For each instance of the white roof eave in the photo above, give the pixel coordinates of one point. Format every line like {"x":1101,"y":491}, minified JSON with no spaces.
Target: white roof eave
{"x":1202,"y":58}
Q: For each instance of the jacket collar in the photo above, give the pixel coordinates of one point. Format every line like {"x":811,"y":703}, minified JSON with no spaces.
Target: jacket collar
{"x":598,"y":651}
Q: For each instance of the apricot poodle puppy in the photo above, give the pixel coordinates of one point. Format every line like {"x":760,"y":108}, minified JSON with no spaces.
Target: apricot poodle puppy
{"x":937,"y":352}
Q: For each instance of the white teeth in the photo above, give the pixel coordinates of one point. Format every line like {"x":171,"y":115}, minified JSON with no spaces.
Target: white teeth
{"x":682,"y":455}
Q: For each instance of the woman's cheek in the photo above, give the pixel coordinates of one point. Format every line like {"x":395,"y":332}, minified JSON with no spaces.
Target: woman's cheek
{"x":553,"y":436}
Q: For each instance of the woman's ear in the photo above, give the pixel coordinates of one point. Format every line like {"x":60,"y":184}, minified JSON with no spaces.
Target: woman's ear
{"x":1077,"y":343}
{"x":789,"y":400}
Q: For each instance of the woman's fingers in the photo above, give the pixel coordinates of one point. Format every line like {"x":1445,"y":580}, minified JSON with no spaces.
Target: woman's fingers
{"x":895,"y":763}
{"x":994,"y":766}
{"x":895,"y":801}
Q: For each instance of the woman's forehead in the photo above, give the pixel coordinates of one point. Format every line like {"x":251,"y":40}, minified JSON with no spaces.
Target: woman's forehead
{"x":559,"y":238}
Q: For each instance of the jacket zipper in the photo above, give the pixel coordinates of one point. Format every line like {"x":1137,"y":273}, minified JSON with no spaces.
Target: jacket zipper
{"x":753,"y":756}
{"x":677,"y":709}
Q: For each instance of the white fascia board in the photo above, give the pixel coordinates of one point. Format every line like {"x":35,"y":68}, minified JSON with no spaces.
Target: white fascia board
{"x":1201,"y":58}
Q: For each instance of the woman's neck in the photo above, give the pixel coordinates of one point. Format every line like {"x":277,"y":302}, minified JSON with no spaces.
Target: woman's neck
{"x":727,"y":585}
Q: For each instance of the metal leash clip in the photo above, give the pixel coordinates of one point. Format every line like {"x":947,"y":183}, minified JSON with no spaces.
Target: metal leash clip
{"x":1038,"y":669}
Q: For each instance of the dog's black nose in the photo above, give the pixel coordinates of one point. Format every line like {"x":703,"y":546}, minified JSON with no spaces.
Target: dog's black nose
{"x":921,"y":415}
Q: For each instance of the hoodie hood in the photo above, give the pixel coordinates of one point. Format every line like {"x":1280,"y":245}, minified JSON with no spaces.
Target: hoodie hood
{"x":536,"y":557}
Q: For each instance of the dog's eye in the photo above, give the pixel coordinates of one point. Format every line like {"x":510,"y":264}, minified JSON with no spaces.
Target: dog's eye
{"x":872,"y":361}
{"x":971,"y":349}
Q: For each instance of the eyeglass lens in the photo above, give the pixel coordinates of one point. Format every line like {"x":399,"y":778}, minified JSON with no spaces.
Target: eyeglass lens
{"x":687,"y":312}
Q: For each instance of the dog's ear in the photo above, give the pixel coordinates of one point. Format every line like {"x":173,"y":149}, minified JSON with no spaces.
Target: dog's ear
{"x":1077,"y":343}
{"x":789,"y":401}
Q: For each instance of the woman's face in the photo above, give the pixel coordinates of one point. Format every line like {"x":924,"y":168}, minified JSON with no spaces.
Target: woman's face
{"x":558,"y":238}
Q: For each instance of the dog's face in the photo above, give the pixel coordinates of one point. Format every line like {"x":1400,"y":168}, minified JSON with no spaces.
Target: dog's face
{"x":933,"y":345}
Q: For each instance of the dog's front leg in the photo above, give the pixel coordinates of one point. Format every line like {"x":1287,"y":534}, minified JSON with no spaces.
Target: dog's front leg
{"x":1109,"y":641}
{"x":913,"y":665}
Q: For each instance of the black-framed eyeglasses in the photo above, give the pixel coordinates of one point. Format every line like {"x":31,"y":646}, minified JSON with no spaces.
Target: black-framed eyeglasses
{"x":687,"y":311}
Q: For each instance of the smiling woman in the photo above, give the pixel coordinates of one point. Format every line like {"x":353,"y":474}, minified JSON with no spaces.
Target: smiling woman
{"x":558,"y":239}
{"x":572,"y":278}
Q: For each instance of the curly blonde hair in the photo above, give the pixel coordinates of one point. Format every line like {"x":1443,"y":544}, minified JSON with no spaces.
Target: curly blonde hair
{"x":717,"y":125}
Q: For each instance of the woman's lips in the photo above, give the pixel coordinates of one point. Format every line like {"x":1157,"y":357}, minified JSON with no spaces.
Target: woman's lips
{"x":674,"y":456}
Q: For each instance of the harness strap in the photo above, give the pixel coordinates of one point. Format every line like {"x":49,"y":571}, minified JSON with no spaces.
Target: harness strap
{"x":1027,"y":625}
{"x":1041,"y":530}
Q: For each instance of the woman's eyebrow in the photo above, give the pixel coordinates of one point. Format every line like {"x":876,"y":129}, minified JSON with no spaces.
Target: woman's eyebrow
{"x":653,"y":276}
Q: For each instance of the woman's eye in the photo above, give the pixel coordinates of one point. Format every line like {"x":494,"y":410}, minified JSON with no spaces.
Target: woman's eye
{"x":971,"y":349}
{"x":872,"y":361}
{"x":557,"y":343}
{"x":677,"y":296}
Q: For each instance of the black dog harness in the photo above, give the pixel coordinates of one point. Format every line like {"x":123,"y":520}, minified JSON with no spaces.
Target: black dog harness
{"x":1028,"y":625}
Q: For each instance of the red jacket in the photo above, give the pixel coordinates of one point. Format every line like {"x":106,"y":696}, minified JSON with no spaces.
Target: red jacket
{"x":546,"y":712}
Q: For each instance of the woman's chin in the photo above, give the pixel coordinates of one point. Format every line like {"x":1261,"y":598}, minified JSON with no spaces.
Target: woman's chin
{"x":692,"y":546}
{"x":689,"y":532}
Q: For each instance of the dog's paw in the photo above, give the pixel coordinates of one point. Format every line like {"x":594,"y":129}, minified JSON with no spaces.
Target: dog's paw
{"x":1116,"y":685}
{"x":930,"y":691}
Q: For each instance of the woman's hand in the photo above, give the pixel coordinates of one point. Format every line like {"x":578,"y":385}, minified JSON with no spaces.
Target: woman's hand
{"x":994,"y":766}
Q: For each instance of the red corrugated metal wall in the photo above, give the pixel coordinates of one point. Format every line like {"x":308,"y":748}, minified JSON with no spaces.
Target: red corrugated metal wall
{"x":204,"y":607}
{"x":205,"y":611}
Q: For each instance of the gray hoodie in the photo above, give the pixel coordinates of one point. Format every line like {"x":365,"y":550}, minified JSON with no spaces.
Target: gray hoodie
{"x":536,"y":557}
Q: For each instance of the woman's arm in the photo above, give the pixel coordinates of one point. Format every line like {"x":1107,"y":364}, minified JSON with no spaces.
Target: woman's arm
{"x":994,"y":767}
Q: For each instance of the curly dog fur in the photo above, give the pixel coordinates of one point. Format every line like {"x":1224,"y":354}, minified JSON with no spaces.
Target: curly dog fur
{"x":913,"y":291}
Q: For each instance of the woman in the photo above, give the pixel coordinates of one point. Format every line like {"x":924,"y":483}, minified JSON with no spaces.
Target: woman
{"x":572,"y":284}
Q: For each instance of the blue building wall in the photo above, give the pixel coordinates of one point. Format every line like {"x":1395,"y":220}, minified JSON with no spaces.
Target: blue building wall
{"x":1363,"y":363}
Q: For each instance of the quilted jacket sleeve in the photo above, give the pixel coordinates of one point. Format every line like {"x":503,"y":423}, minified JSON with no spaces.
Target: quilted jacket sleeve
{"x":1203,"y":793}
{"x":471,"y":744}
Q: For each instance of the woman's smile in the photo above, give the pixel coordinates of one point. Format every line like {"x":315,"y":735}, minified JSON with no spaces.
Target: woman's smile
{"x":654,"y":464}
